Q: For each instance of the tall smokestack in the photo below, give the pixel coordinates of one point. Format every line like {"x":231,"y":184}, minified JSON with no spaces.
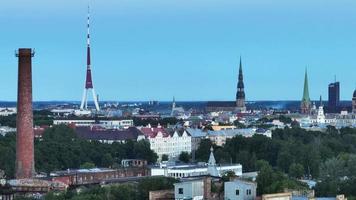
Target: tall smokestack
{"x":25,"y":165}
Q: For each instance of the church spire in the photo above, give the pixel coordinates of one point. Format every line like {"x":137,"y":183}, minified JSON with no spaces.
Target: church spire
{"x":240,"y":94}
{"x":306,"y":87}
{"x":305,"y":104}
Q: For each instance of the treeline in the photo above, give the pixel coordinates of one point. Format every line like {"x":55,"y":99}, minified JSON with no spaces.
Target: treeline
{"x":60,"y":149}
{"x":296,"y":153}
{"x":40,"y":117}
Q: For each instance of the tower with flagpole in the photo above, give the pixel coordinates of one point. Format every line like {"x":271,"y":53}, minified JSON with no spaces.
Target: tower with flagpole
{"x":88,"y":81}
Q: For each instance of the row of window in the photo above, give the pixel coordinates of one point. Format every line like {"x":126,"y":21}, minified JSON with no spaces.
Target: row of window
{"x":248,"y":192}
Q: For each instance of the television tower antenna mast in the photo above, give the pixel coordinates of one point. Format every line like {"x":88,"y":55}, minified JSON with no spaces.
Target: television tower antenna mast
{"x":88,"y":80}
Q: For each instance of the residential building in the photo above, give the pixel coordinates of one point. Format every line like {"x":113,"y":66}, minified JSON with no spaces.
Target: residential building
{"x":196,"y":188}
{"x":189,"y":189}
{"x":196,"y":136}
{"x":108,"y":135}
{"x":240,"y":190}
{"x":164,"y":143}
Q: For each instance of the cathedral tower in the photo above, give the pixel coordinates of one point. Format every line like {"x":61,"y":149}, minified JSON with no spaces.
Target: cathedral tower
{"x":240,"y":94}
{"x":305,"y":103}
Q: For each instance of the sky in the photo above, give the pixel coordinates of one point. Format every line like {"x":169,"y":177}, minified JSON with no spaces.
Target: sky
{"x":154,"y":50}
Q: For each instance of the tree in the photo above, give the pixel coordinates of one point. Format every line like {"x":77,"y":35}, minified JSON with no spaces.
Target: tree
{"x":107,"y":160}
{"x":184,"y":157}
{"x":203,"y":151}
{"x":296,"y":170}
{"x":165,"y":157}
{"x":264,"y":178}
{"x":87,"y":165}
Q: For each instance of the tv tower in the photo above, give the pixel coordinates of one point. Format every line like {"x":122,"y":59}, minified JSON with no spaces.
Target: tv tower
{"x":88,"y":80}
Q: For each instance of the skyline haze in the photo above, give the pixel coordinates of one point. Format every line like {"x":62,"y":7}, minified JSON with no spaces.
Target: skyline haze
{"x":190,"y":50}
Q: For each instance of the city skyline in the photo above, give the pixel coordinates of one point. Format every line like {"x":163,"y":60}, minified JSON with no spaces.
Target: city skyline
{"x":155,"y":51}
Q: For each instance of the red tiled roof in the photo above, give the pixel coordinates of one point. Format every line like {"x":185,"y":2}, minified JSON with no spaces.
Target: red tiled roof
{"x":152,"y":132}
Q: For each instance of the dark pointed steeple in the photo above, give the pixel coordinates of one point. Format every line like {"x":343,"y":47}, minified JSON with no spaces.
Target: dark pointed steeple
{"x":240,"y":94}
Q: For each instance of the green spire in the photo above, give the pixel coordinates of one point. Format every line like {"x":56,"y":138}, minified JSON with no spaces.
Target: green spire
{"x":306,"y":88}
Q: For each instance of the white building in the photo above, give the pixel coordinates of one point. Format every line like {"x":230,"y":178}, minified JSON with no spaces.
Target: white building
{"x":5,"y":129}
{"x":108,"y":123}
{"x":173,"y":146}
{"x":190,"y":189}
{"x":240,"y":190}
{"x":200,"y":169}
{"x":320,"y":118}
{"x":219,"y":137}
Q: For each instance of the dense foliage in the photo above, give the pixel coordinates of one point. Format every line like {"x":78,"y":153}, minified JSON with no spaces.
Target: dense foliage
{"x":328,"y":157}
{"x":40,"y":117}
{"x":60,"y":148}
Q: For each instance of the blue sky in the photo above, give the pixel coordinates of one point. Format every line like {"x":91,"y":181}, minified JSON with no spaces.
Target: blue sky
{"x":189,"y":49}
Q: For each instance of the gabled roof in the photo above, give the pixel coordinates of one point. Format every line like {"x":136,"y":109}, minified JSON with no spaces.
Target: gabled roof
{"x":151,"y":132}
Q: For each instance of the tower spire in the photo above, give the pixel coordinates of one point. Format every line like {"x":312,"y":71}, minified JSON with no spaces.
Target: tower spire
{"x":305,"y":104}
{"x":88,"y":80}
{"x":240,"y":94}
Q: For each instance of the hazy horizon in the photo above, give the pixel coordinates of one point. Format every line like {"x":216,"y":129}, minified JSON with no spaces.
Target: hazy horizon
{"x":188,"y":49}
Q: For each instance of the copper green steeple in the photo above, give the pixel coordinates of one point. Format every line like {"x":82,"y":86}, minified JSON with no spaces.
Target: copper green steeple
{"x":306,"y":88}
{"x":305,"y":104}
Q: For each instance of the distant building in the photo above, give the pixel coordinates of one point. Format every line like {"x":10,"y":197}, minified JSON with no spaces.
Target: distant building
{"x":196,"y":136}
{"x":354,"y":102}
{"x":213,"y":106}
{"x":5,"y":130}
{"x":163,"y":143}
{"x":240,"y":190}
{"x":240,"y":94}
{"x":219,"y":137}
{"x":305,"y":105}
{"x":321,"y":116}
{"x":176,"y":111}
{"x":108,"y":135}
{"x":277,"y":196}
{"x":231,"y":106}
{"x":76,"y":177}
{"x":108,"y":123}
{"x":334,"y":97}
{"x":7,"y":111}
{"x":193,"y":188}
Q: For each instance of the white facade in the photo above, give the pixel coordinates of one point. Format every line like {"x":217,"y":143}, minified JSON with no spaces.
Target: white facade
{"x":122,"y":123}
{"x":240,"y":190}
{"x":320,"y":118}
{"x":171,"y":145}
{"x":193,"y":189}
{"x":181,"y":171}
{"x":188,"y":170}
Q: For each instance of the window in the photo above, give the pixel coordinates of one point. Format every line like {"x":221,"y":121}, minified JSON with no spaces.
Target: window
{"x":237,"y":192}
{"x":180,"y":190}
{"x":248,"y":192}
